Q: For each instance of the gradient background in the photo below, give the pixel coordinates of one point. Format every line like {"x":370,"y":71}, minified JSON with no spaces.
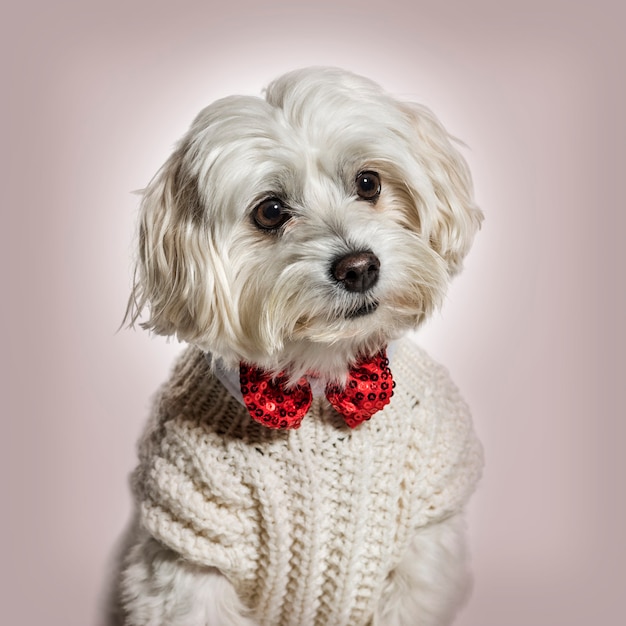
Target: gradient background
{"x":94,"y":94}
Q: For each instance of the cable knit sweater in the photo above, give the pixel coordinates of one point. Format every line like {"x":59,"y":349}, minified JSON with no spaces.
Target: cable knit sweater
{"x":305,"y":523}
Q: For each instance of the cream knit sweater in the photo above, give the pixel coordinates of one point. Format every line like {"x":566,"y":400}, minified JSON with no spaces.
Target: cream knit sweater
{"x":305,"y":523}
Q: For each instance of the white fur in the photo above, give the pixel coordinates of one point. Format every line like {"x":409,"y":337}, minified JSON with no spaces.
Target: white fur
{"x":209,"y":276}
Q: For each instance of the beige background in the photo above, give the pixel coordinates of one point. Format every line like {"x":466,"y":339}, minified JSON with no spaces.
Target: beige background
{"x":94,"y":94}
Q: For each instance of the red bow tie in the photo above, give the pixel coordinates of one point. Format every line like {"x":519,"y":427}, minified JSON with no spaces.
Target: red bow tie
{"x":274,"y":404}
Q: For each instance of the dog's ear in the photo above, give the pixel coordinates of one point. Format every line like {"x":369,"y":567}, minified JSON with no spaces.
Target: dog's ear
{"x":450,"y":218}
{"x":178,"y":268}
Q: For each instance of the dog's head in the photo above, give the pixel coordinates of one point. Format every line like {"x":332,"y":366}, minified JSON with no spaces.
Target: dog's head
{"x":304,"y":229}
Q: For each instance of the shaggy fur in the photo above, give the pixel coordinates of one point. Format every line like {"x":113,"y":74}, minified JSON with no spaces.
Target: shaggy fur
{"x":209,"y":275}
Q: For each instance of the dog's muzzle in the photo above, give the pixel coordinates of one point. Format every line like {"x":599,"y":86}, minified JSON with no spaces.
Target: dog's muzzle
{"x":366,"y":309}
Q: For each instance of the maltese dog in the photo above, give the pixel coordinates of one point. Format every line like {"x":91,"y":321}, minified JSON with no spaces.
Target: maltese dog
{"x":304,"y":465}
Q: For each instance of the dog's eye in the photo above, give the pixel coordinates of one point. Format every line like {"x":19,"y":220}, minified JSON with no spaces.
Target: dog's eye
{"x":368,"y":185}
{"x":271,"y":214}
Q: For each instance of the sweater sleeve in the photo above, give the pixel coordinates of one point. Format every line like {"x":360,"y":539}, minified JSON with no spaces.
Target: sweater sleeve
{"x":444,"y":445}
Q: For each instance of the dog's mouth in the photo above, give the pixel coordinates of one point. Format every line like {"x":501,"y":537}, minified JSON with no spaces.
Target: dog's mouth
{"x":365,"y":309}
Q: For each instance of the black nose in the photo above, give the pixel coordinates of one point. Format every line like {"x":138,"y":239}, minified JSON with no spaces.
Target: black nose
{"x":357,"y":271}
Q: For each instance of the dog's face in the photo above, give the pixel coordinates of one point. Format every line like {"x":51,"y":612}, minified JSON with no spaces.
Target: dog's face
{"x":302,"y":230}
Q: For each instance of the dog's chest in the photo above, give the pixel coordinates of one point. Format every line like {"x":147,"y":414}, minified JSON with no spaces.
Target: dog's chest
{"x":306,"y":524}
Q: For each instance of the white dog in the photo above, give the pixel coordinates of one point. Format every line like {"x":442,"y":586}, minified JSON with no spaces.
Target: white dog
{"x":291,"y":241}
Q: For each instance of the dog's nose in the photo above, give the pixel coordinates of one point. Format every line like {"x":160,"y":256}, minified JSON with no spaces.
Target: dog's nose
{"x":357,"y":271}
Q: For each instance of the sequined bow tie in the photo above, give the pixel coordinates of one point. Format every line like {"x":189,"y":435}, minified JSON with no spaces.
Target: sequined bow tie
{"x":274,"y":404}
